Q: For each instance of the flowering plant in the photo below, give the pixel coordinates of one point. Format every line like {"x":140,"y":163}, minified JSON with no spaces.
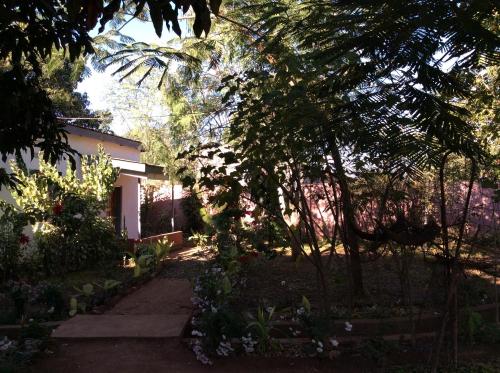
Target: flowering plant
{"x":71,"y":232}
{"x":215,"y":325}
{"x":12,"y":239}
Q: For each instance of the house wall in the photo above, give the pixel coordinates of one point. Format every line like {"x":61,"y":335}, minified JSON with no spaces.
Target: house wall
{"x":86,"y":146}
{"x":130,"y":218}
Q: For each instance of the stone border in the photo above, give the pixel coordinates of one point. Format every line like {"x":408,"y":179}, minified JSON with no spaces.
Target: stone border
{"x":391,"y":329}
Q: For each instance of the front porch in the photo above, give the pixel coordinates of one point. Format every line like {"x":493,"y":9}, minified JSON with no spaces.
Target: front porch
{"x":125,"y":201}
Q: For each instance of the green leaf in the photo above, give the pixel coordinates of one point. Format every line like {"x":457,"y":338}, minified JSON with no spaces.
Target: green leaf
{"x":306,"y":304}
{"x":137,"y":270}
{"x":110,"y":284}
{"x":73,"y":306}
{"x":88,"y":289}
{"x":156,"y":16}
{"x":226,"y":285}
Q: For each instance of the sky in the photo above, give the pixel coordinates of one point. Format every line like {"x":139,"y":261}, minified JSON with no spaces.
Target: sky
{"x":101,"y":88}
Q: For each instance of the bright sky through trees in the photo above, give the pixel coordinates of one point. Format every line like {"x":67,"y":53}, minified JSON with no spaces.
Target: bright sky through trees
{"x":102,"y":88}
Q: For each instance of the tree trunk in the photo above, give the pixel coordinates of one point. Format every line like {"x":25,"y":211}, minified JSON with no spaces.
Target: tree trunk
{"x":351,"y":238}
{"x":294,"y":237}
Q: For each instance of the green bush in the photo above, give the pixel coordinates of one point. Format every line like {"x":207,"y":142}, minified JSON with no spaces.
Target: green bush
{"x":191,"y":207}
{"x":12,"y":239}
{"x":71,"y":233}
{"x":63,"y":249}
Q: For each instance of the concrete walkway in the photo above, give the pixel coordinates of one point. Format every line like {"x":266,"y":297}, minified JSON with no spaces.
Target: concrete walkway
{"x":159,"y":309}
{"x":141,"y":333}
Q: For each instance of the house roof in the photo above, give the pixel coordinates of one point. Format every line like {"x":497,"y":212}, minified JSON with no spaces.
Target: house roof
{"x":103,"y":136}
{"x":129,"y":167}
{"x":139,"y":169}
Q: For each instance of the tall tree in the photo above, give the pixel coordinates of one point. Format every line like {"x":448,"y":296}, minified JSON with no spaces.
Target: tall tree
{"x":30,"y":30}
{"x":345,"y":82}
{"x":60,"y":79}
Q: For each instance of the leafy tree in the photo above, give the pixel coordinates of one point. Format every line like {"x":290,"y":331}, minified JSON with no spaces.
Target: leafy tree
{"x":348,"y":89}
{"x":187,"y":72}
{"x":30,"y":30}
{"x":60,"y":78}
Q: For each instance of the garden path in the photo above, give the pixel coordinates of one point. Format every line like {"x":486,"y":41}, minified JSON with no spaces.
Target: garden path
{"x":159,"y":309}
{"x":132,"y":336}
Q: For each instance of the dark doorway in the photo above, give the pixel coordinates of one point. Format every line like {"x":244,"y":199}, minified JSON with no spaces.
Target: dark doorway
{"x":116,"y":209}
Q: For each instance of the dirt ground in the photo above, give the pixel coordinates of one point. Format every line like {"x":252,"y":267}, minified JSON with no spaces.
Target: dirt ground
{"x":161,"y":356}
{"x":132,"y":356}
{"x":286,"y":281}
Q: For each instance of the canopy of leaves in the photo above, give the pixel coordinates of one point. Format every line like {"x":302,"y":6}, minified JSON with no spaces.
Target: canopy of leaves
{"x":30,"y":31}
{"x":346,"y":71}
{"x":376,"y":86}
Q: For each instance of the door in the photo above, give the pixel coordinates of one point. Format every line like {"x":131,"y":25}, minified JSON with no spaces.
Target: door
{"x":116,"y":209}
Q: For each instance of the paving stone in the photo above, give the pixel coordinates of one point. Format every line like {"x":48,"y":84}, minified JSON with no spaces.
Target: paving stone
{"x":122,"y":326}
{"x":159,"y":296}
{"x":159,"y":309}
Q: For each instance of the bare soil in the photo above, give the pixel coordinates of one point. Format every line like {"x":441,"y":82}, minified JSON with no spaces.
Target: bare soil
{"x":281,"y":283}
{"x":160,"y":356}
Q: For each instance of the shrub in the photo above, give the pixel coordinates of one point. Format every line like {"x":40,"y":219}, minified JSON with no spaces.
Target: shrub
{"x":12,"y":239}
{"x":72,"y":234}
{"x":191,"y":206}
{"x":40,"y":301}
{"x":63,"y":248}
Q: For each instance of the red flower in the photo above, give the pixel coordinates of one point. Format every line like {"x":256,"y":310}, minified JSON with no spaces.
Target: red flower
{"x":255,"y":254}
{"x":248,"y":213}
{"x":24,"y":240}
{"x":57,"y":208}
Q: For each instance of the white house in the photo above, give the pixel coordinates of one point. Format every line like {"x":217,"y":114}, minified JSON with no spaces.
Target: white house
{"x":125,"y":154}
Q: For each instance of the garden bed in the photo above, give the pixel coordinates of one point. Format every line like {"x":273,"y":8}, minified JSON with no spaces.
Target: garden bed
{"x":393,"y":328}
{"x":100,"y":301}
{"x":286,"y":281}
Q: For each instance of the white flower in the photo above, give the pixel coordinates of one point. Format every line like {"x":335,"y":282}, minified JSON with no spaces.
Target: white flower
{"x":5,"y":344}
{"x":334,"y":342}
{"x":319,"y":349}
{"x":294,"y":332}
{"x":283,"y":283}
{"x":214,"y":310}
{"x":224,"y":348}
{"x":200,"y":355}
{"x":269,"y":309}
{"x":50,"y":310}
{"x":248,"y":343}
{"x":348,"y":326}
{"x":197,"y":333}
{"x":77,"y":216}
